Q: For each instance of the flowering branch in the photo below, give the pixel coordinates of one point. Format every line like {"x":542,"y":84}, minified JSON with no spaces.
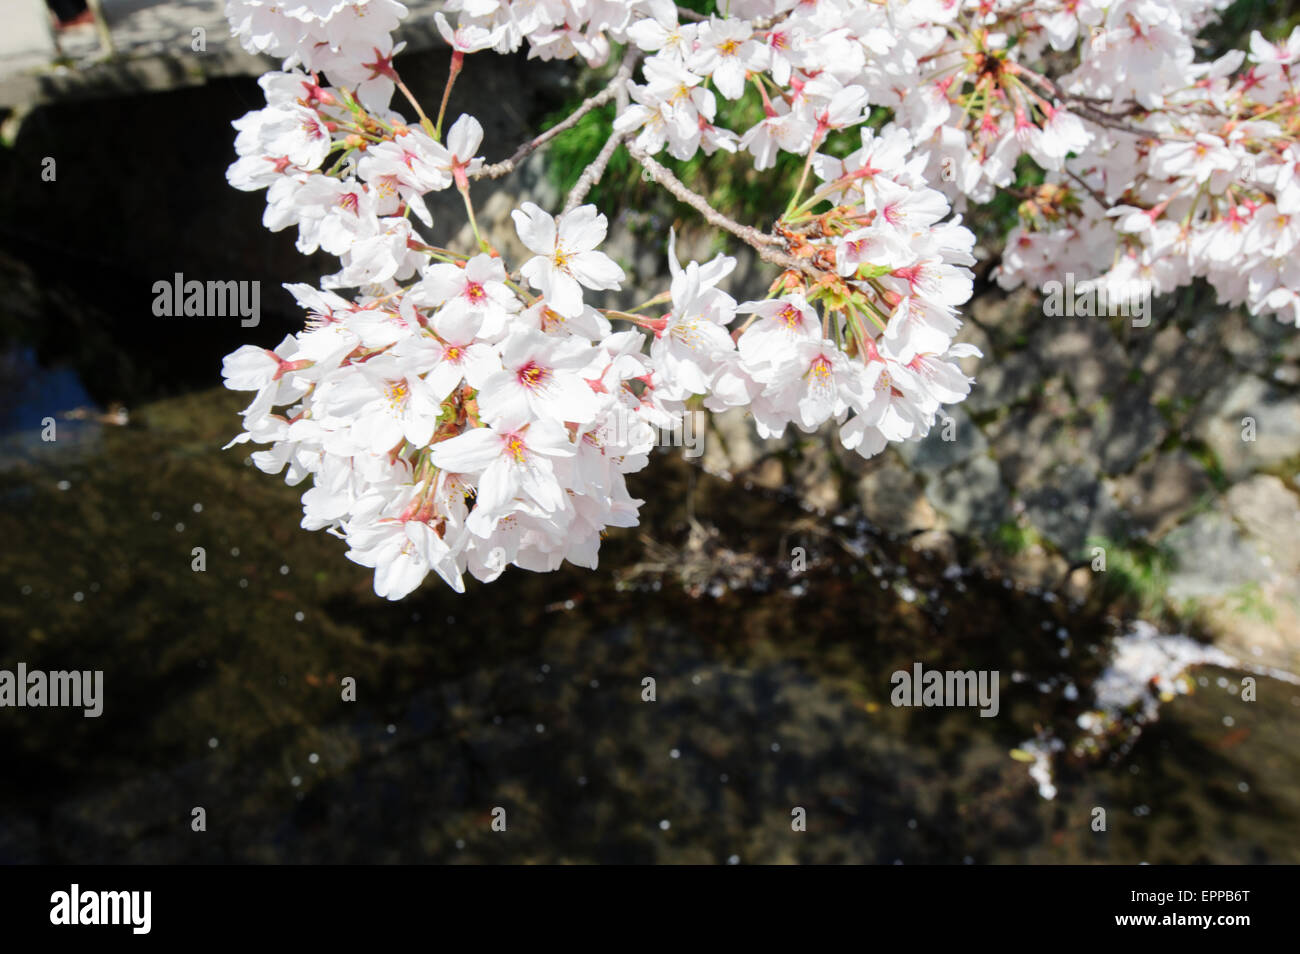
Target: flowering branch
{"x":461,"y":414}
{"x":1086,"y":106}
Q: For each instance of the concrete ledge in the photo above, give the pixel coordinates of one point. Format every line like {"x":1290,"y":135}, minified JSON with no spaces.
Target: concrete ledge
{"x":27,"y":41}
{"x":153,"y":50}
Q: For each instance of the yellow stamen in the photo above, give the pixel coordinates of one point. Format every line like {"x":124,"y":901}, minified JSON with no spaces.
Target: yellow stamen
{"x":398,"y":392}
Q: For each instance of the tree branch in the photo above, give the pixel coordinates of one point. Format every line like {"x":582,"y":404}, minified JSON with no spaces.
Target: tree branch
{"x":769,"y":247}
{"x":1096,"y":196}
{"x":592,"y":174}
{"x":1086,"y":107}
{"x":499,"y":169}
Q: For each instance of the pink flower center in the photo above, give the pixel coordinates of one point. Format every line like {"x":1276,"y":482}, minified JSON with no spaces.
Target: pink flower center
{"x":533,"y":375}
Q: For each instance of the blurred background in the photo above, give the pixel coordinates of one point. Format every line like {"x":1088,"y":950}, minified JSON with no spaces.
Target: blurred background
{"x":771,"y":590}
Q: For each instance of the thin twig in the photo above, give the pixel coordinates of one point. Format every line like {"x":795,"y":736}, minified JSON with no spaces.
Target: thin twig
{"x":499,"y":169}
{"x":1109,"y":120}
{"x":769,"y":247}
{"x":1097,"y":196}
{"x":592,"y":174}
{"x":1086,"y":107}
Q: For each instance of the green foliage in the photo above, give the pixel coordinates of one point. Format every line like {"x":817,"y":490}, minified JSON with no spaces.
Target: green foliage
{"x":1232,"y":32}
{"x":703,"y":6}
{"x":572,"y":151}
{"x":993,"y":220}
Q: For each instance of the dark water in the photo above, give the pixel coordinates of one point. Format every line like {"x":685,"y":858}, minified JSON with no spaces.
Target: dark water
{"x":223,"y":690}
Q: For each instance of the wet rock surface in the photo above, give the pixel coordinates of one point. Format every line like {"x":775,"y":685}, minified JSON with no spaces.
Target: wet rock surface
{"x":1163,"y":445}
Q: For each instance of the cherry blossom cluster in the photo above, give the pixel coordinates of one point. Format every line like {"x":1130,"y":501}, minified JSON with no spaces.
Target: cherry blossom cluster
{"x":348,"y":40}
{"x":460,"y":413}
{"x":888,"y":268}
{"x":1159,"y":168}
{"x":459,"y":423}
{"x":1207,"y":186}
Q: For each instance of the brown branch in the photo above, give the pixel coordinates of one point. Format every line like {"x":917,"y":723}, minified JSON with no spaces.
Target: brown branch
{"x":619,"y":82}
{"x":1102,"y":118}
{"x":1086,"y":107}
{"x":769,"y":247}
{"x":591,"y":175}
{"x":595,"y":169}
{"x":1097,"y":196}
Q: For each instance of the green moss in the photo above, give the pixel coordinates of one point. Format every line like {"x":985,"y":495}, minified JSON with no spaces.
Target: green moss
{"x":1248,"y":600}
{"x":1136,"y":571}
{"x":1207,"y":459}
{"x":1010,"y":538}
